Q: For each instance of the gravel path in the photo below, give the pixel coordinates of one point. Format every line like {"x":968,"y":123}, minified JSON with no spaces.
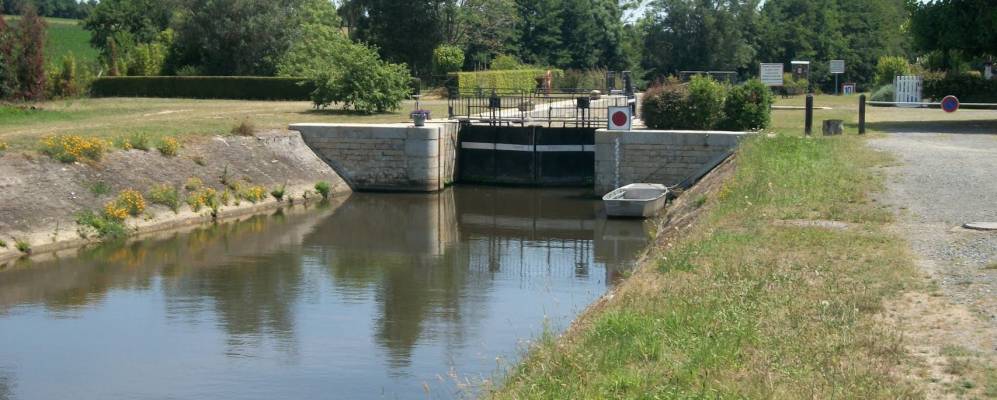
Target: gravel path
{"x":943,"y":181}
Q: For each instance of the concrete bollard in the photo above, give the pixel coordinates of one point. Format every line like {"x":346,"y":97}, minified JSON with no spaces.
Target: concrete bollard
{"x":809,"y":127}
{"x":862,"y":115}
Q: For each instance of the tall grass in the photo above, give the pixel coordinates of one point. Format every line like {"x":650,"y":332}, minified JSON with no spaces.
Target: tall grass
{"x":741,"y":307}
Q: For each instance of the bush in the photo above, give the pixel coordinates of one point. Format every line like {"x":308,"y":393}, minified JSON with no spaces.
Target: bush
{"x":23,"y":246}
{"x":71,"y":148}
{"x":884,"y":93}
{"x":253,"y":194}
{"x":323,"y":188}
{"x":278,"y":193}
{"x":168,"y":146}
{"x":245,"y":128}
{"x":165,"y":195}
{"x":517,"y":81}
{"x":363,"y":82}
{"x":792,"y":86}
{"x":706,"y":102}
{"x":889,"y":68}
{"x":132,"y":201}
{"x":138,"y":141}
{"x":106,"y":228}
{"x":206,"y":197}
{"x":204,"y":87}
{"x":748,"y":107}
{"x":447,"y":58}
{"x":574,"y":80}
{"x":3,"y":147}
{"x":968,"y":88}
{"x":663,"y":106}
{"x":504,"y":62}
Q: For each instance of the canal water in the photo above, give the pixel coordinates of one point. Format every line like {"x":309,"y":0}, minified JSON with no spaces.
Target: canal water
{"x":382,"y":296}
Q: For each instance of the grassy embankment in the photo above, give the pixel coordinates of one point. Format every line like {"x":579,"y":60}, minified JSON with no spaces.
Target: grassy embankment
{"x":742,"y":305}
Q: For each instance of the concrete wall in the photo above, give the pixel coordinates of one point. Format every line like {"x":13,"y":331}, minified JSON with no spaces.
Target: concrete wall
{"x":393,"y":157}
{"x":644,"y":156}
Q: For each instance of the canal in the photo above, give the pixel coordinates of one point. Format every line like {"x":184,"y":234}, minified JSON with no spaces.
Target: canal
{"x":381,"y":296}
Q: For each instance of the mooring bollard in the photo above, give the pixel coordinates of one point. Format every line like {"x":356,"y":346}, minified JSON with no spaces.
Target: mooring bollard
{"x":862,"y":115}
{"x":809,"y":127}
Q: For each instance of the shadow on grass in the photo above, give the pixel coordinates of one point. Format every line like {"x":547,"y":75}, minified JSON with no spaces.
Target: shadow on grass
{"x":973,"y":127}
{"x":338,"y":112}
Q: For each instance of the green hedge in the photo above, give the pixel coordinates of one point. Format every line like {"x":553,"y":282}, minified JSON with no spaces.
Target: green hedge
{"x":705,"y":104}
{"x":968,"y":88}
{"x":520,"y":80}
{"x":203,"y":87}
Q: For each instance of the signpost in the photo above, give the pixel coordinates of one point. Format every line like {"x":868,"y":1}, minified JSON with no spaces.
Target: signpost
{"x":620,"y":118}
{"x":950,"y":104}
{"x":771,"y":74}
{"x":837,"y":68}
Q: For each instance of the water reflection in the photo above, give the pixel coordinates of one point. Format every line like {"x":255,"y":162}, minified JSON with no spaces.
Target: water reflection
{"x":376,"y":295}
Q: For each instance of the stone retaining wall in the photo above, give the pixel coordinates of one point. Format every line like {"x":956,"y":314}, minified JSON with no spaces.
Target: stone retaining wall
{"x":645,"y":156}
{"x":393,"y":157}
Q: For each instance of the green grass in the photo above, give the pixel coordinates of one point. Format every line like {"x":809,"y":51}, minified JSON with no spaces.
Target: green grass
{"x":65,"y":36}
{"x":744,"y":308}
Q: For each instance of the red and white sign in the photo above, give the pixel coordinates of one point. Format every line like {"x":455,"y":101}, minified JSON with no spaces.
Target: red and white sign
{"x":620,"y":118}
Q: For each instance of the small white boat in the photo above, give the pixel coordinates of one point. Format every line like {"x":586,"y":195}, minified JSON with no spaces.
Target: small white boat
{"x":639,"y":200}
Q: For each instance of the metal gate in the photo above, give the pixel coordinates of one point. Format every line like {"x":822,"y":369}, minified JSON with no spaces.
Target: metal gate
{"x":535,"y":156}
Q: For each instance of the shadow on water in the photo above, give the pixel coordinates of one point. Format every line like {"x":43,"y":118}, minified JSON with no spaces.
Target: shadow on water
{"x":421,"y":271}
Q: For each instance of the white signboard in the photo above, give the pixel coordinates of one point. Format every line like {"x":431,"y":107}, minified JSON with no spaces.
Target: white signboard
{"x":771,"y":74}
{"x":619,"y":118}
{"x":837,"y":66}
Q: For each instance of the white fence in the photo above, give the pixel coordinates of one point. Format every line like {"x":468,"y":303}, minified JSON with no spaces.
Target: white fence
{"x":908,"y":89}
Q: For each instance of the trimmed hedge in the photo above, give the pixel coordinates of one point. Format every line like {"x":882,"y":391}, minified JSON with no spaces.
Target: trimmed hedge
{"x":968,"y":88}
{"x":204,"y":87}
{"x":520,"y":80}
{"x":705,"y":104}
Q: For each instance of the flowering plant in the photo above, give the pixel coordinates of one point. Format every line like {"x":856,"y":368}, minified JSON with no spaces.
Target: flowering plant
{"x":423,"y":113}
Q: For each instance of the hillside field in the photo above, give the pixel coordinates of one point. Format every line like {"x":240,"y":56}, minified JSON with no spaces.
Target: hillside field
{"x":65,"y":36}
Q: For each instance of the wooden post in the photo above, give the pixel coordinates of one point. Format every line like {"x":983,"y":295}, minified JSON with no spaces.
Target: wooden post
{"x":809,"y":127}
{"x":862,"y":115}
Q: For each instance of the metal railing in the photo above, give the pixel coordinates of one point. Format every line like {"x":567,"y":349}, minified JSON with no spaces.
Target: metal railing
{"x":572,"y":108}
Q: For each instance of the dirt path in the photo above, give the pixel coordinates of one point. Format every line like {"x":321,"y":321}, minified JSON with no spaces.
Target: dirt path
{"x":942,"y":181}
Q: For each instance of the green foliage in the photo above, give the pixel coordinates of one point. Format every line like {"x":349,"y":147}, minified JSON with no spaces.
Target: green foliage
{"x":278,"y":193}
{"x":148,"y":59}
{"x":663,"y":106}
{"x":699,"y":35}
{"x":889,"y":68}
{"x":505,"y":62}
{"x":29,"y":59}
{"x":792,"y":86}
{"x":519,"y":81}
{"x":23,"y":246}
{"x":748,"y":107}
{"x":165,"y":195}
{"x":168,"y":146}
{"x":64,"y":81}
{"x":447,"y":58}
{"x":323,"y":188}
{"x":8,"y":73}
{"x":969,"y":88}
{"x":105,"y":227}
{"x":582,"y":80}
{"x":204,"y":87}
{"x":99,"y":188}
{"x":706,"y":101}
{"x":363,"y":82}
{"x":884,"y":93}
{"x":948,"y":26}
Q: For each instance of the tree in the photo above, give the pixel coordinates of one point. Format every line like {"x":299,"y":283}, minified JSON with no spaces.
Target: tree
{"x":540,"y":33}
{"x":946,"y":26}
{"x":591,"y":32}
{"x":447,"y":58}
{"x":30,"y":62}
{"x":487,"y":28}
{"x":808,"y":30}
{"x":403,"y":33}
{"x":127,"y":22}
{"x":8,"y":72}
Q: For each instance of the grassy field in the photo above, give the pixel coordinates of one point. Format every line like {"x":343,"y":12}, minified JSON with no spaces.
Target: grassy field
{"x":65,"y":36}
{"x":114,"y":117}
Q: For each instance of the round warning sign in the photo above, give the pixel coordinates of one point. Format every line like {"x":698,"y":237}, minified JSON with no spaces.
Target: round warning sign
{"x":950,"y":104}
{"x":619,"y":118}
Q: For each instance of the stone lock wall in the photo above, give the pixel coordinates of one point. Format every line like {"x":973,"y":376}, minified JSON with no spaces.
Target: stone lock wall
{"x":391,"y":157}
{"x":645,"y":156}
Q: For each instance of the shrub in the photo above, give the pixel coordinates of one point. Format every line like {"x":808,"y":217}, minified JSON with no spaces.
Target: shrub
{"x":64,"y":83}
{"x":193,"y":184}
{"x":3,"y":243}
{"x":363,"y":82}
{"x":3,"y":147}
{"x":165,"y":195}
{"x":748,"y":107}
{"x":890,"y":67}
{"x":323,"y":188}
{"x":168,"y":146}
{"x":138,"y":141}
{"x":204,"y":87}
{"x":245,"y":128}
{"x":664,"y":106}
{"x":706,"y":102}
{"x":23,"y":246}
{"x":278,"y":193}
{"x":792,"y":86}
{"x":71,"y":148}
{"x":968,"y":88}
{"x":505,"y":62}
{"x":114,"y":211}
{"x":447,"y":58}
{"x":105,"y":227}
{"x":131,"y":201}
{"x":206,"y":197}
{"x":100,"y":188}
{"x":884,"y":93}
{"x":254,"y":194}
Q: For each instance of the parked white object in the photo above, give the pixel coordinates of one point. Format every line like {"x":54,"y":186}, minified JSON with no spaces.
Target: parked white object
{"x":639,"y":200}
{"x":908,"y":89}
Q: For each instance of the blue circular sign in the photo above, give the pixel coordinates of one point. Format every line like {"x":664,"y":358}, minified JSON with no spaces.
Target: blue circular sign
{"x":950,"y":104}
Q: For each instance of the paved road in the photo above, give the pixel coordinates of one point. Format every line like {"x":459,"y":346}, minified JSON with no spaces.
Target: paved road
{"x":944,"y":180}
